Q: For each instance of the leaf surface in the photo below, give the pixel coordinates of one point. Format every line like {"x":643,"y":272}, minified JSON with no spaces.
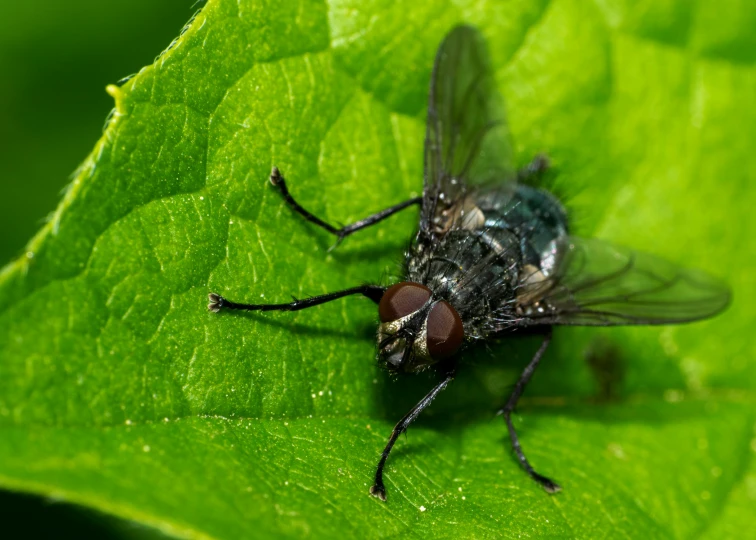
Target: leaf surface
{"x":120,"y":391}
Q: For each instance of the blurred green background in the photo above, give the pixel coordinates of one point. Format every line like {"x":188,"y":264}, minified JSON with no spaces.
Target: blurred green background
{"x":56,"y":59}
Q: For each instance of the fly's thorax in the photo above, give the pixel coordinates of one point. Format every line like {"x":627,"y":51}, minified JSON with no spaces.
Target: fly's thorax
{"x":461,"y":214}
{"x":416,"y":329}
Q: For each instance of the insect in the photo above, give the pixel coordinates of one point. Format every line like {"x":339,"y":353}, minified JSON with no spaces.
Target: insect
{"x":493,"y":256}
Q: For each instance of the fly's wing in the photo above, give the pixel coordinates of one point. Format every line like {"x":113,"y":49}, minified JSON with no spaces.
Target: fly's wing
{"x":467,"y":143}
{"x":598,"y":284}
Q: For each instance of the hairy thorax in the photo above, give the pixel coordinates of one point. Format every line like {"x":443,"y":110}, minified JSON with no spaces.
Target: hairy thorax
{"x":494,"y":263}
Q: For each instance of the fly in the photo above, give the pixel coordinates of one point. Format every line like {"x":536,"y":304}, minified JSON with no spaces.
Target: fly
{"x":494,"y":256}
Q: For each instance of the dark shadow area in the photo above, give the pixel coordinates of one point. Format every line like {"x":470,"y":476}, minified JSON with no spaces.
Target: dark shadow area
{"x":472,"y":395}
{"x":471,"y":399}
{"x":487,"y":375}
{"x":278,"y":321}
{"x":605,"y":360}
{"x":29,"y":517}
{"x":345,"y":255}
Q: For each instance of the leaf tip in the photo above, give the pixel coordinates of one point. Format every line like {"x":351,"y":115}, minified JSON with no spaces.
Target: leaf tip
{"x":117,"y":94}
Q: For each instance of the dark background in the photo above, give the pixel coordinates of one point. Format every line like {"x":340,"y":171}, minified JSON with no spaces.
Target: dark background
{"x":56,"y":57}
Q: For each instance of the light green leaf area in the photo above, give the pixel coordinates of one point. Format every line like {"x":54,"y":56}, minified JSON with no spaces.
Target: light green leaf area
{"x":120,"y":391}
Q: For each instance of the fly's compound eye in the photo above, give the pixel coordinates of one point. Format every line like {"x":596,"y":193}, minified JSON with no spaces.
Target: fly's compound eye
{"x":445,"y":331}
{"x":401,"y":300}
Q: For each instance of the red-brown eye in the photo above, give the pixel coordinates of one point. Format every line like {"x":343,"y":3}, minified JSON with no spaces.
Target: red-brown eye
{"x":401,"y":300}
{"x":445,"y":331}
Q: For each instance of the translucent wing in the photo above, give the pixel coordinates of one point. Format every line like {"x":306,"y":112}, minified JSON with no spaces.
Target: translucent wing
{"x":598,"y":284}
{"x":466,"y":142}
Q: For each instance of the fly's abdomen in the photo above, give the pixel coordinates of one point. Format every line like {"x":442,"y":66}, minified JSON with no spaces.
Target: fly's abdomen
{"x":534,"y":217}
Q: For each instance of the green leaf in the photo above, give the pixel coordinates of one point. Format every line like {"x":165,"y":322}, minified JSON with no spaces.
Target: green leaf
{"x":55,"y":58}
{"x":120,"y":391}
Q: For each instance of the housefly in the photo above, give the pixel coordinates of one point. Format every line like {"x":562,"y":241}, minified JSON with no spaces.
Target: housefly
{"x":493,"y":256}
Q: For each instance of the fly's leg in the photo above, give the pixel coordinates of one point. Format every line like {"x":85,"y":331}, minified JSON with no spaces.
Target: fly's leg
{"x":278,"y":181}
{"x":374,"y":292}
{"x":378,"y":489}
{"x":548,"y":484}
{"x":538,"y":165}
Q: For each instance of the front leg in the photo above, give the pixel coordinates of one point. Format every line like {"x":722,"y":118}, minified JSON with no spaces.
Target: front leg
{"x":374,"y":292}
{"x":547,"y":484}
{"x":378,"y":489}
{"x":278,"y":181}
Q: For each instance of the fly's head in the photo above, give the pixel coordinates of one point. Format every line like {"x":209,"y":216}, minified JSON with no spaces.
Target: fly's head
{"x":416,"y":330}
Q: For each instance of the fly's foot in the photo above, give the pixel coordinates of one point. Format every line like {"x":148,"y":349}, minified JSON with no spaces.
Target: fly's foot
{"x":276,"y":179}
{"x":378,"y":491}
{"x":215,"y":303}
{"x":547,"y":483}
